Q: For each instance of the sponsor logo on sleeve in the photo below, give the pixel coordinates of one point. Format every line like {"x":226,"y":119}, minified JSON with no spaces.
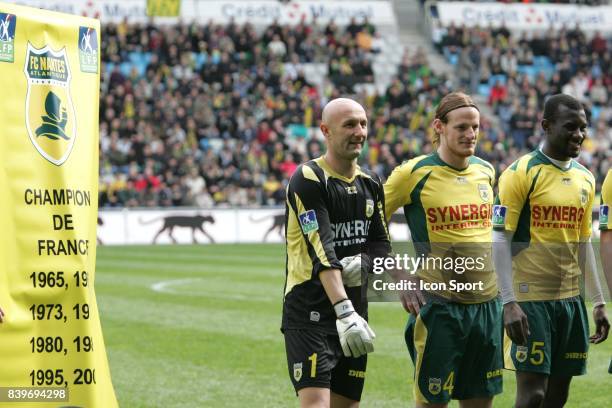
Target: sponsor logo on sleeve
{"x":499,"y":215}
{"x":308,"y":221}
{"x":603,"y":215}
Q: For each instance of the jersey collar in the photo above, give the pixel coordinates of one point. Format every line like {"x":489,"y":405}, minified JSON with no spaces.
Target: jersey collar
{"x":328,"y":170}
{"x":441,"y":162}
{"x":550,"y":161}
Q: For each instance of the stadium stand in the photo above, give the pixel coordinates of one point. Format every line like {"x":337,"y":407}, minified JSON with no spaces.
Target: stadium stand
{"x":220,"y":115}
{"x":517,"y":72}
{"x":226,"y":120}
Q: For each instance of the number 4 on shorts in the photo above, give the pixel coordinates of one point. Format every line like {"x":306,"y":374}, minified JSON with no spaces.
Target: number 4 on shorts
{"x":449,"y":384}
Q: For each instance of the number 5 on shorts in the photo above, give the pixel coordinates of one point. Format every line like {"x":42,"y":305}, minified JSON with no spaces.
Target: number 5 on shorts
{"x":537,"y":354}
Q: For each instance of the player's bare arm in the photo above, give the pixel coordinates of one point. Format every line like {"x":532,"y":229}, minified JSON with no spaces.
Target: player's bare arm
{"x":332,"y":283}
{"x":411,"y":300}
{"x":602,"y":325}
{"x":515,"y":320}
{"x":516,"y":323}
{"x":605,"y":251}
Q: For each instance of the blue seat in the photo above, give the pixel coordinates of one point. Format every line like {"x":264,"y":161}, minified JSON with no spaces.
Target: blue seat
{"x":528,"y":70}
{"x":495,"y":78}
{"x":134,"y":57}
{"x":484,"y":89}
{"x":595,"y":112}
{"x":141,"y":66}
{"x":541,"y":61}
{"x":125,"y":68}
{"x":200,"y":59}
{"x":297,"y":130}
{"x":145,"y":57}
{"x":109,"y":66}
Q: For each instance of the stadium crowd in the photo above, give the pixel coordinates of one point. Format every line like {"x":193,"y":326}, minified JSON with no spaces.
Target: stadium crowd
{"x":213,"y":115}
{"x":517,"y":73}
{"x":206,"y":127}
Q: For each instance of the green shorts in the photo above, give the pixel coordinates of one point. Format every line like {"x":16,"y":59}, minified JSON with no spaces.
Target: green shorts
{"x":457,"y":351}
{"x":559,"y":339}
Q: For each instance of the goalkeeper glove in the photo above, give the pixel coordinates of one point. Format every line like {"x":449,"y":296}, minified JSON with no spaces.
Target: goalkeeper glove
{"x":356,"y":337}
{"x":351,"y":270}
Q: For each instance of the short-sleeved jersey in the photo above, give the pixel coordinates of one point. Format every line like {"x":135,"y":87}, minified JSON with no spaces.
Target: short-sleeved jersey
{"x":550,"y":211}
{"x":606,"y":203}
{"x":448,"y":211}
{"x":328,"y":217}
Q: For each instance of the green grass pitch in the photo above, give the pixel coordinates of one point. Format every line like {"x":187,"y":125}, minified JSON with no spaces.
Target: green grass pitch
{"x":198,"y":326}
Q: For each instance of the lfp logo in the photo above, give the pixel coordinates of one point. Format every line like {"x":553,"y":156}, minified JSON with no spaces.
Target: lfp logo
{"x":499,"y":216}
{"x":8,"y":23}
{"x":308,"y":221}
{"x":603,"y":215}
{"x":88,"y":49}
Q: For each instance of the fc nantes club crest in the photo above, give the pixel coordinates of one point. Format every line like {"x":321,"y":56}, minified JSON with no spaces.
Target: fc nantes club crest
{"x":369,"y":208}
{"x":584,"y":196}
{"x":435,"y":386}
{"x":521,"y":353}
{"x":297,"y":371}
{"x":483,"y":190}
{"x":50,"y":114}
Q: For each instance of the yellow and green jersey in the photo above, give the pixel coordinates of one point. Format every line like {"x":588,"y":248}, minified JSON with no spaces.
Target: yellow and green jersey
{"x":448,"y":211}
{"x":606,"y":202}
{"x":550,"y":211}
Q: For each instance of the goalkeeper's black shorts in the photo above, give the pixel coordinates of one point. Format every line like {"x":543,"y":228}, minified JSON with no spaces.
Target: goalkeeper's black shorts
{"x":315,"y":359}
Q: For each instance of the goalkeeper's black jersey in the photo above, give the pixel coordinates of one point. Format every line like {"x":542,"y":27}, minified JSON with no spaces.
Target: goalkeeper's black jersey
{"x":328,"y":217}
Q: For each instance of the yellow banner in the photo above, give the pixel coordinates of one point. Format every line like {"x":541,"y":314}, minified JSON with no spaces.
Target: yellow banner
{"x":51,"y":346}
{"x":163,"y":8}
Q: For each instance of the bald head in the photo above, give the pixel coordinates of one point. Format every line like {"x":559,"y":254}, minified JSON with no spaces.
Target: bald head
{"x":345,"y":127}
{"x":338,"y":108}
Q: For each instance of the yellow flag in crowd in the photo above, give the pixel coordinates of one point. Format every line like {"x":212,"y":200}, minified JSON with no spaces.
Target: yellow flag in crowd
{"x":163,"y":8}
{"x":52,"y":351}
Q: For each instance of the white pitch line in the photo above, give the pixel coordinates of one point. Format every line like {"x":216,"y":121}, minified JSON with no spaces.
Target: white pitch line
{"x":168,"y":287}
{"x":164,"y":286}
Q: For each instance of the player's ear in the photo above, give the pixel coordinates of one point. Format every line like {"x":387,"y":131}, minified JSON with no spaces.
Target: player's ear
{"x":438,"y":125}
{"x":324,"y":129}
{"x":545,"y":124}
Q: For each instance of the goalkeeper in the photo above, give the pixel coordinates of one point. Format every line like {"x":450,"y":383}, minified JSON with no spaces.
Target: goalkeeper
{"x":335,"y":224}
